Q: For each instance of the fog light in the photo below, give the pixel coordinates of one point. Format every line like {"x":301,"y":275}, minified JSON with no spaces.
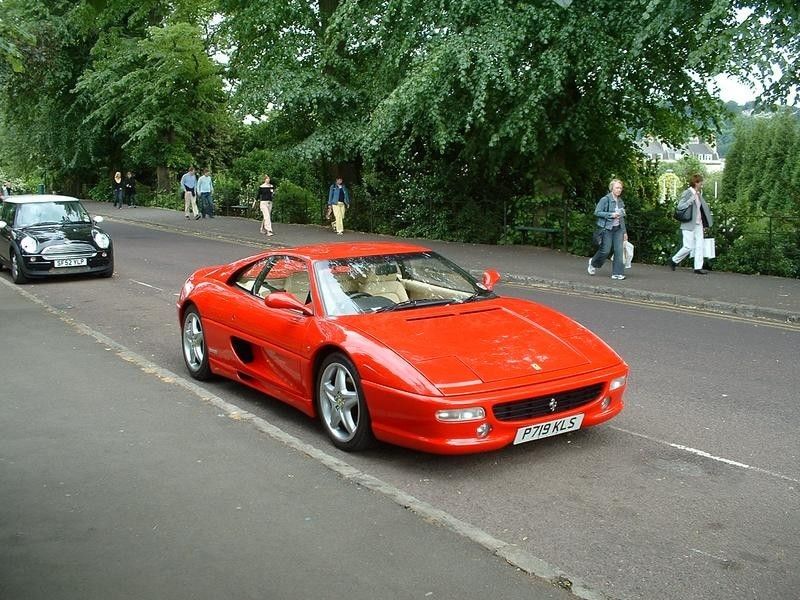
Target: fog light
{"x":606,"y":401}
{"x":483,"y":430}
{"x":474,"y":413}
{"x":617,"y":383}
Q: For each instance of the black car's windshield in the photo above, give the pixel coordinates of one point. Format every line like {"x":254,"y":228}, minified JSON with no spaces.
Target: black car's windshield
{"x":51,"y":213}
{"x":392,"y":282}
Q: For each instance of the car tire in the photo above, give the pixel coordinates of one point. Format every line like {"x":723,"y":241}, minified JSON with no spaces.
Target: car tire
{"x":193,"y":342}
{"x":17,"y":276}
{"x":341,"y":405}
{"x":109,"y":271}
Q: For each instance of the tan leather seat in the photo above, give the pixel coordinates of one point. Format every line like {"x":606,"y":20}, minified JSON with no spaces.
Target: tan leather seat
{"x":385,"y":282}
{"x":297,"y":285}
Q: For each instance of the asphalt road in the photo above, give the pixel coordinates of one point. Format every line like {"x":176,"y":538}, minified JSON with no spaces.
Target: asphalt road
{"x":692,"y":493}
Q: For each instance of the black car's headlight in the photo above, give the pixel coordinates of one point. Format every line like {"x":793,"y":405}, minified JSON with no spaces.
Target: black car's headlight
{"x":101,"y":239}
{"x":28,"y":244}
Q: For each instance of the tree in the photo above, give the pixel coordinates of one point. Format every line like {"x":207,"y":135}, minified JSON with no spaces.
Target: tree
{"x":161,"y":94}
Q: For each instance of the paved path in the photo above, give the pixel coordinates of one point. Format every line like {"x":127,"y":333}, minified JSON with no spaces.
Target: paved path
{"x":759,"y":296}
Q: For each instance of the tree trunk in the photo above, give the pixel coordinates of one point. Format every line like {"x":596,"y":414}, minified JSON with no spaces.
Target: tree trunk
{"x":163,"y":179}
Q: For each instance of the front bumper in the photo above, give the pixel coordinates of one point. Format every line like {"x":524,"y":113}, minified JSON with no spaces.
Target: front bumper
{"x":37,"y":265}
{"x":409,"y":420}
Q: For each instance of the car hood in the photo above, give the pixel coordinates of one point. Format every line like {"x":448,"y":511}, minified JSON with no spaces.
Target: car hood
{"x":76,"y":232}
{"x":459,"y":346}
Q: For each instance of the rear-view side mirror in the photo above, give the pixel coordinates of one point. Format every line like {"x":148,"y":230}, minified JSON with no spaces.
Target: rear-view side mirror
{"x":490,"y":279}
{"x":284,"y":300}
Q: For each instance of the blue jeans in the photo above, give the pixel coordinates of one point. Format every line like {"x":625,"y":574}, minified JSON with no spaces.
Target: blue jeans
{"x":612,"y":241}
{"x":206,"y":204}
{"x":119,"y":196}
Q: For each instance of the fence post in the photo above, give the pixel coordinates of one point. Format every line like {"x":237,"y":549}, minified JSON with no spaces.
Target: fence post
{"x":769,"y":245}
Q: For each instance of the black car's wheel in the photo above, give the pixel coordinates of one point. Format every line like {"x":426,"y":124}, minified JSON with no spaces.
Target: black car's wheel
{"x":341,"y":405}
{"x":195,"y":353}
{"x":109,"y":271}
{"x":16,"y":268}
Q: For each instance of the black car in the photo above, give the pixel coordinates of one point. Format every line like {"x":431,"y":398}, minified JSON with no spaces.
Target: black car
{"x":43,"y":235}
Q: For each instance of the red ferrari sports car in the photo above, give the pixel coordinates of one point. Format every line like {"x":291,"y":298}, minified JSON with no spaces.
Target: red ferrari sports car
{"x":395,"y":342}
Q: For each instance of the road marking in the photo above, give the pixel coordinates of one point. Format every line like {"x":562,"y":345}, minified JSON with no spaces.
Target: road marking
{"x":704,"y":454}
{"x":511,"y":553}
{"x":147,"y":285}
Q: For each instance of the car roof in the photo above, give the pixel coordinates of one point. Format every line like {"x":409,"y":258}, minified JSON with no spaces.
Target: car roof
{"x":31,"y":198}
{"x":335,"y":250}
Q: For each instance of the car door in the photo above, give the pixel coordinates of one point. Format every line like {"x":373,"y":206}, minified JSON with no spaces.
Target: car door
{"x":274,"y":342}
{"x":7,"y":215}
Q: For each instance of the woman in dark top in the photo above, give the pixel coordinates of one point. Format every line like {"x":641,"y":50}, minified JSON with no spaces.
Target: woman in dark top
{"x":265,"y":193}
{"x":119,"y":189}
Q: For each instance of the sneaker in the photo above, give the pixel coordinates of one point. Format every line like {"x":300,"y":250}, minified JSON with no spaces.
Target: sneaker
{"x":197,"y":217}
{"x":591,"y":269}
{"x":672,"y":264}
{"x":618,"y":277}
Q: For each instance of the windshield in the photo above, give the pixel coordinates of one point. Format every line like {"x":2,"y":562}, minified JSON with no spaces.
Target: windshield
{"x":52,"y":213}
{"x":392,"y":282}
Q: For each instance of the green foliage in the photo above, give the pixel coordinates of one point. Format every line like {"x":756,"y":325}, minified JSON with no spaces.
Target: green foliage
{"x":759,"y":208}
{"x":228,"y":191}
{"x":101,"y":191}
{"x":294,"y":204}
{"x":452,"y":120}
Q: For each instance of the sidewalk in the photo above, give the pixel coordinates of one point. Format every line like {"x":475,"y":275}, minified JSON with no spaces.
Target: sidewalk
{"x":759,"y":296}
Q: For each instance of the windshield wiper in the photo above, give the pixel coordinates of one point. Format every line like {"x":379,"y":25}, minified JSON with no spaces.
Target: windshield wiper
{"x":481,"y":295}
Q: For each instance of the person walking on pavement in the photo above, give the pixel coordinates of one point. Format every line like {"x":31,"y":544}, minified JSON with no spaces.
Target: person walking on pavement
{"x":339,"y":201}
{"x":189,"y":185}
{"x":692,"y":230}
{"x":266,"y":192}
{"x":130,"y":189}
{"x":7,"y":189}
{"x":119,"y":189}
{"x":205,"y":187}
{"x":610,"y":213}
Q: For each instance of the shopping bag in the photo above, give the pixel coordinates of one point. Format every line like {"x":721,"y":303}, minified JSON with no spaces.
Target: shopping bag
{"x":627,"y":254}
{"x":709,"y":248}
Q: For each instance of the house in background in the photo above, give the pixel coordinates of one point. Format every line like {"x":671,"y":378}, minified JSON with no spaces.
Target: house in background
{"x":705,"y":152}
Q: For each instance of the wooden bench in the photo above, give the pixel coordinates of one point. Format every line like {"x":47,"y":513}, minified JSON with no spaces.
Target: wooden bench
{"x":549,"y":231}
{"x":238,"y":209}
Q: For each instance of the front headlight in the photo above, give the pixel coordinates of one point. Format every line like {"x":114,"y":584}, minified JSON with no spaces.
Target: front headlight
{"x":617,"y":383}
{"x":28,"y":244}
{"x":474,"y":413}
{"x":101,"y":239}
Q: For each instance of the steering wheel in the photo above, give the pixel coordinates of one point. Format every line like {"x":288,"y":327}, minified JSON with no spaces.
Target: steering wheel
{"x":359,"y":295}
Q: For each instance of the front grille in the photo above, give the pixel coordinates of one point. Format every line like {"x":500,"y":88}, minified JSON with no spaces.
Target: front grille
{"x":542,"y":405}
{"x":76,"y":250}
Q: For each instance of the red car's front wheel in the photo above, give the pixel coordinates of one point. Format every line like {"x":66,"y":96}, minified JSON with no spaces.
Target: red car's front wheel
{"x":341,"y":405}
{"x":195,"y":353}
